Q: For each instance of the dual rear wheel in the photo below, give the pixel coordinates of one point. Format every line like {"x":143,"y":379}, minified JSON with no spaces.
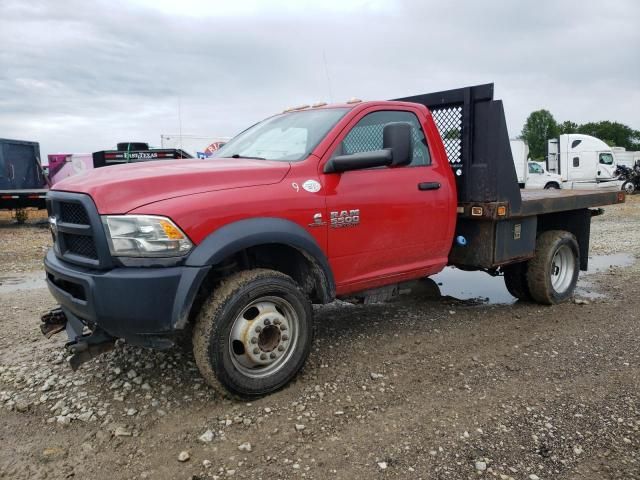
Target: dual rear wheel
{"x":551,"y":276}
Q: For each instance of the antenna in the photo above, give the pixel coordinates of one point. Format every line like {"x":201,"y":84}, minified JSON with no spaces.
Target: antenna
{"x":180,"y":121}
{"x":326,"y":71}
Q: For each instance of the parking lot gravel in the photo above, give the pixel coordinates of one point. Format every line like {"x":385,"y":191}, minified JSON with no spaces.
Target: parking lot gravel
{"x":418,"y":388}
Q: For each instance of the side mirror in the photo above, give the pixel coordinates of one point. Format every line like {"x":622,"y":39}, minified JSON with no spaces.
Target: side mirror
{"x":358,"y":161}
{"x":397,"y":150}
{"x":397,"y":138}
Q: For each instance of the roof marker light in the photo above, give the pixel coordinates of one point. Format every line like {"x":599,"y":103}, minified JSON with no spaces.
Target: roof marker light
{"x":354,"y":100}
{"x":293,"y":109}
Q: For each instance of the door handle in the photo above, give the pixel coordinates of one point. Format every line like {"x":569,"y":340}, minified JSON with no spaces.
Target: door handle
{"x":429,"y":186}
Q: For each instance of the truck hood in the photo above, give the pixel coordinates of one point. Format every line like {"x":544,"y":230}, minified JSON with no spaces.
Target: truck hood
{"x":121,"y":188}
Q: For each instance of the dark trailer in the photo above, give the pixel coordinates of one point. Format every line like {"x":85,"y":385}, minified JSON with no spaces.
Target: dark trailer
{"x":497,"y":223}
{"x":22,"y":181}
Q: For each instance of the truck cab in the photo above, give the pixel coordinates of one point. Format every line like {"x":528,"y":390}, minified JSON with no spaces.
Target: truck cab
{"x":582,"y":161}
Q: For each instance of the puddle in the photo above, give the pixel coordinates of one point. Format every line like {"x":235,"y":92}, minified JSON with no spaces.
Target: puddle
{"x":479,"y":286}
{"x":473,"y":286}
{"x":602,"y":263}
{"x":26,"y":281}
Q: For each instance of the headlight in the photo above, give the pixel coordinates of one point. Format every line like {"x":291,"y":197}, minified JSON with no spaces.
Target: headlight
{"x":144,"y":236}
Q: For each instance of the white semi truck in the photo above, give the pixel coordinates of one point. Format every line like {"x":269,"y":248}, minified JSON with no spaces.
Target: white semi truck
{"x":582,"y":161}
{"x":531,"y":175}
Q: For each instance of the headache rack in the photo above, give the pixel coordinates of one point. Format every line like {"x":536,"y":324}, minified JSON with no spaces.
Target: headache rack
{"x":497,"y":224}
{"x":474,"y":132}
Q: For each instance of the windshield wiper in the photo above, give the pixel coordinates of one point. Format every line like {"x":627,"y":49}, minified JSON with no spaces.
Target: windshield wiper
{"x":237,"y":155}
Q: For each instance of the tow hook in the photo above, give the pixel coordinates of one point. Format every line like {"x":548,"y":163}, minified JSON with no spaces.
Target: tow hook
{"x":89,"y":346}
{"x":83,"y":347}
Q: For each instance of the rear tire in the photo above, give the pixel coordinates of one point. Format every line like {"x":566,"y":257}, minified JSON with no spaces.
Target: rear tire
{"x":515,"y":279}
{"x":253,"y":334}
{"x":553,"y":272}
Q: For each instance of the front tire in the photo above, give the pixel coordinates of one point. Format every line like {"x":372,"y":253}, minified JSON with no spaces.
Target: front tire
{"x":552,"y":186}
{"x":254,"y":333}
{"x":553,"y":272}
{"x":628,"y":187}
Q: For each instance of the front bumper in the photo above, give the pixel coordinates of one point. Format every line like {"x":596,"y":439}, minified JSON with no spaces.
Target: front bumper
{"x":136,"y":304}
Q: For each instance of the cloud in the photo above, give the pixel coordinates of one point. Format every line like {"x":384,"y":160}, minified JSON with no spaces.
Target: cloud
{"x":80,"y":76}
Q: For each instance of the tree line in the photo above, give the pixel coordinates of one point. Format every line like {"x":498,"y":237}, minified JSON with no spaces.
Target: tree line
{"x":540,"y":126}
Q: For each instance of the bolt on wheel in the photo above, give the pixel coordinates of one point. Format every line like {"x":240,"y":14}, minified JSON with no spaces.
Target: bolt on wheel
{"x":562,"y":270}
{"x":263,"y":336}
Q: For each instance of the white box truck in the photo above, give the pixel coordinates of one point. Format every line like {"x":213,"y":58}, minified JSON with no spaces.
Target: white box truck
{"x":582,"y":161}
{"x":531,"y":175}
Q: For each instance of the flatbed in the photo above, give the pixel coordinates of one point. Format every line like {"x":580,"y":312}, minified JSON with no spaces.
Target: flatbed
{"x":539,"y":202}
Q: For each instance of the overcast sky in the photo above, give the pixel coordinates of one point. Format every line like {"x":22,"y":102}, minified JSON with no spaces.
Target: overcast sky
{"x":80,"y":76}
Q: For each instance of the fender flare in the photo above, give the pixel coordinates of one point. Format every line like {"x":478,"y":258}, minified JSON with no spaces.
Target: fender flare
{"x":237,"y":236}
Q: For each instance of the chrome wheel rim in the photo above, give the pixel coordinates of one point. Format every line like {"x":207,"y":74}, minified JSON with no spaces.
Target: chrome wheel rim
{"x":263,"y":336}
{"x":562,"y":269}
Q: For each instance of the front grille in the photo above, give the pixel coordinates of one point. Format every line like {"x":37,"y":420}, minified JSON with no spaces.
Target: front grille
{"x":78,"y":233}
{"x":80,"y":245}
{"x":73,"y":213}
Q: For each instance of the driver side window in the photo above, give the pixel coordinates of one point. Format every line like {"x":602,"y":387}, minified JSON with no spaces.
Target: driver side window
{"x":535,"y":168}
{"x":366,"y":135}
{"x":606,"y":159}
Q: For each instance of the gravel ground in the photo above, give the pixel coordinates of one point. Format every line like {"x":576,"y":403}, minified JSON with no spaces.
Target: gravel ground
{"x":415,"y":388}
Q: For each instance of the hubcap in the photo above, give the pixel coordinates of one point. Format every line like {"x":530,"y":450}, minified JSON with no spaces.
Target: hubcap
{"x":562,"y":269}
{"x":264,"y":336}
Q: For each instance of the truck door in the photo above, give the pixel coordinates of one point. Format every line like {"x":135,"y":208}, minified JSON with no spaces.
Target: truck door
{"x":385,"y":221}
{"x":581,"y":166}
{"x":606,"y":166}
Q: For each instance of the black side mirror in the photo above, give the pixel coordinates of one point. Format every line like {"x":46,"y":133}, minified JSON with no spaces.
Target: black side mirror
{"x":358,"y":161}
{"x":397,"y":138}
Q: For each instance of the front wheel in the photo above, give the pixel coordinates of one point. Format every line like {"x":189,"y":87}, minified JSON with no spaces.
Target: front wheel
{"x":553,"y":272}
{"x":551,"y":186}
{"x":254,"y":333}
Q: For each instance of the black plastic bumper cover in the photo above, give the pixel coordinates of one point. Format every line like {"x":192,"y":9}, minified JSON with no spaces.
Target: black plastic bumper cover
{"x":129,"y":303}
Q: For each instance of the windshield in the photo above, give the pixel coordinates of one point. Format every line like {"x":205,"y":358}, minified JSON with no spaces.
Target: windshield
{"x":288,"y":137}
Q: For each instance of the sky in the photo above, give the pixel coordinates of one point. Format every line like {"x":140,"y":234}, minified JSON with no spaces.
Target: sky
{"x":81,"y":76}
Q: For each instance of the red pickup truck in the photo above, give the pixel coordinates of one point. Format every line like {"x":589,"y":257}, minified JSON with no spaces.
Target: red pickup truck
{"x":307,"y":206}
